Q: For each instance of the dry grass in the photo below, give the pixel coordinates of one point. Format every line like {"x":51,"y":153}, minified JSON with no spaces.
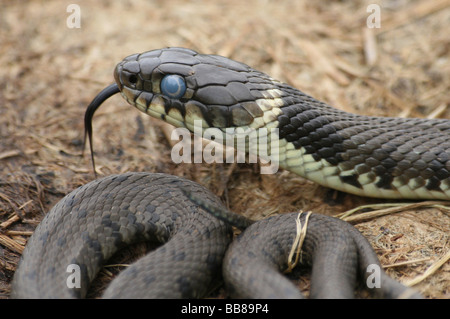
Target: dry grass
{"x":49,"y":73}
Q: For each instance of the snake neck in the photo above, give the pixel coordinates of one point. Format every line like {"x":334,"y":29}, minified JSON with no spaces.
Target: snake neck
{"x":369,"y":156}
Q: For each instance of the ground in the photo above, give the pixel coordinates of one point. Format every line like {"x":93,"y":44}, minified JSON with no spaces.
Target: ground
{"x":51,"y":70}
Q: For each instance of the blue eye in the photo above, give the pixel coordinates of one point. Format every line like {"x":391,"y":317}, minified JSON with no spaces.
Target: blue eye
{"x":173,"y":86}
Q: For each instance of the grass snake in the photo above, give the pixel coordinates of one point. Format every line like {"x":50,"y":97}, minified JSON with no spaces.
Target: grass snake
{"x":368,"y":156}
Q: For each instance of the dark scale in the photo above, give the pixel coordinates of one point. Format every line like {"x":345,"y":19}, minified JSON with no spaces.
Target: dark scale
{"x":305,"y":127}
{"x":378,"y":149}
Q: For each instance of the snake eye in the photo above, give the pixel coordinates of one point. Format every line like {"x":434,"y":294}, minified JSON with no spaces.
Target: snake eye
{"x":173,"y":86}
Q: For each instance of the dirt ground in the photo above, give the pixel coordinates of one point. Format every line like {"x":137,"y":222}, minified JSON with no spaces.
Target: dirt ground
{"x":49,"y":72}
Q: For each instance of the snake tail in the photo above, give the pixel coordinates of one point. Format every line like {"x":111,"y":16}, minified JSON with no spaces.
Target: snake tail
{"x":219,"y":212}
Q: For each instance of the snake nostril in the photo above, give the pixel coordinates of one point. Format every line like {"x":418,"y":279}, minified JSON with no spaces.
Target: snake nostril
{"x":132,"y":79}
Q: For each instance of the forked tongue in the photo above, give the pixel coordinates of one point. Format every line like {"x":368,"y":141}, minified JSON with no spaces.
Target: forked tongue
{"x":105,"y":94}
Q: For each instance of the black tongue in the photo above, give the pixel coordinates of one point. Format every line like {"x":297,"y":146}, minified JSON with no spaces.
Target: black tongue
{"x":93,"y":106}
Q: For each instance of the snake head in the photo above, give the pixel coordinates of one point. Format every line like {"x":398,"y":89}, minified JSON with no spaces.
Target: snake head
{"x":192,"y":90}
{"x":181,"y":86}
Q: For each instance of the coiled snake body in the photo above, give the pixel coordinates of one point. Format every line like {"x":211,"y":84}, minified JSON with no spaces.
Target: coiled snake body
{"x":369,"y":156}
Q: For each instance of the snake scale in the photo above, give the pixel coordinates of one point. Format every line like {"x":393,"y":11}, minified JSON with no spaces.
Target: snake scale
{"x":368,"y":156}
